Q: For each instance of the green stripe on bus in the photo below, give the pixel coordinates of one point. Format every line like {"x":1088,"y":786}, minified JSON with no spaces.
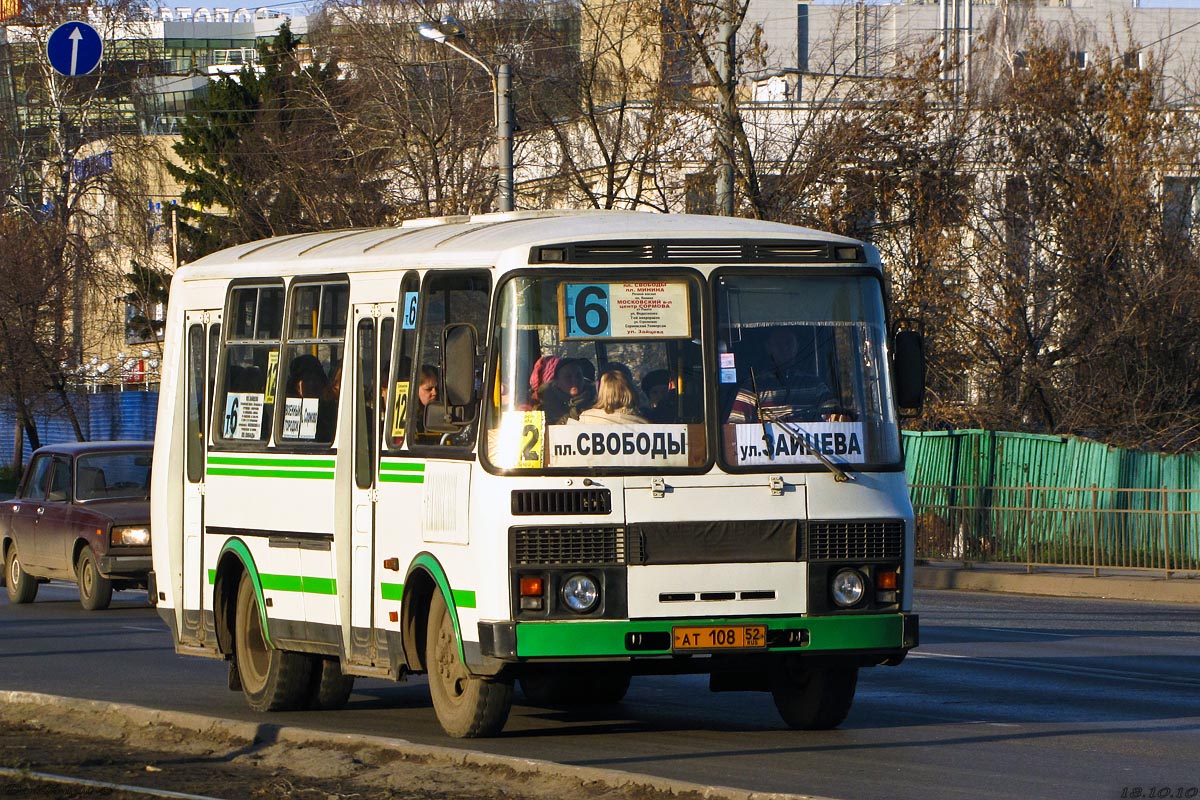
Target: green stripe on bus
{"x":603,"y":638}
{"x":401,"y":466}
{"x":395,"y":591}
{"x":253,"y":461}
{"x":386,"y":478}
{"x":272,"y":473}
{"x":290,"y":583}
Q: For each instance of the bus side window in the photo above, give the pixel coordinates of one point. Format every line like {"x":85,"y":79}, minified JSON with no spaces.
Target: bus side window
{"x":251,"y":357}
{"x":316,"y":343}
{"x":450,"y":300}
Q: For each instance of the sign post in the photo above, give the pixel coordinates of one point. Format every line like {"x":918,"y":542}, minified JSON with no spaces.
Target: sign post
{"x":74,"y":48}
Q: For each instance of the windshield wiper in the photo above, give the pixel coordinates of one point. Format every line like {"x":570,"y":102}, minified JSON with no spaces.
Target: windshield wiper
{"x":839,"y":474}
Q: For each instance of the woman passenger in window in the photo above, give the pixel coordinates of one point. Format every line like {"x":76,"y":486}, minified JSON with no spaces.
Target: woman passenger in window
{"x":427,"y":392}
{"x":565,"y":393}
{"x":616,"y":403}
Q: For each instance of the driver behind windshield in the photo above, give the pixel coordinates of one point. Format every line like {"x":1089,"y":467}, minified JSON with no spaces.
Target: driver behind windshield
{"x":783,"y":389}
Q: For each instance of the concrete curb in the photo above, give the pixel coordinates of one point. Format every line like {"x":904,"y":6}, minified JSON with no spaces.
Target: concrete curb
{"x":252,"y":733}
{"x":1183,"y":588}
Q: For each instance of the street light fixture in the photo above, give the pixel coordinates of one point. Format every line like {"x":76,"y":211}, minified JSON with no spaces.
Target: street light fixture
{"x":450,"y":33}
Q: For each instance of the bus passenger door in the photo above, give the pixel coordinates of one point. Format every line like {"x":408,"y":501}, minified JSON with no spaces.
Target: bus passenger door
{"x":373,"y":326}
{"x":203,"y":330}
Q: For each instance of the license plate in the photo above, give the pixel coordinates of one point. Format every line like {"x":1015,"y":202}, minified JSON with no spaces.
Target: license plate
{"x":719,"y":637}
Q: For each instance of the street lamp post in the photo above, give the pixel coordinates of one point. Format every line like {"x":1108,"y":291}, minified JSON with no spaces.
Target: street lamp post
{"x":451,"y":34}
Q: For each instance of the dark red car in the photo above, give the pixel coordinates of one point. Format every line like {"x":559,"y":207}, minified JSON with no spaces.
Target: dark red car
{"x":82,"y":514}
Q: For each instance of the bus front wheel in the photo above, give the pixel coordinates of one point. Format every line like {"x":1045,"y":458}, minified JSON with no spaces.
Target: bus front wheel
{"x":467,"y":706}
{"x":813,"y":698}
{"x":272,"y":680}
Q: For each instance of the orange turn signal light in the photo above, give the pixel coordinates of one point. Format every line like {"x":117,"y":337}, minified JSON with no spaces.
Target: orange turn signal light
{"x":885,"y":579}
{"x":532,"y":586}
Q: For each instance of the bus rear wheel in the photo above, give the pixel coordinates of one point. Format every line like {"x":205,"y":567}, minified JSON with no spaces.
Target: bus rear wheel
{"x":813,"y":698}
{"x":467,"y":706}
{"x":272,"y":680}
{"x":329,"y":688}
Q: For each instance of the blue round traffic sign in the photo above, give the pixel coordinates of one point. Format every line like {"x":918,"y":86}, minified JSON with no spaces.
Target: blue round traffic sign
{"x":74,"y":48}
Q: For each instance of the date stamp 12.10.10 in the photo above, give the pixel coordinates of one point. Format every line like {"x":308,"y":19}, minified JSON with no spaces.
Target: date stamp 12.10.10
{"x":1163,"y":792}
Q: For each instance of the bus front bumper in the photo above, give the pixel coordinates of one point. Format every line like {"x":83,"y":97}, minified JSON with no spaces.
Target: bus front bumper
{"x":884,"y":635}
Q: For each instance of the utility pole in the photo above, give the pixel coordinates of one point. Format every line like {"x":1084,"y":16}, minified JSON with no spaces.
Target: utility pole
{"x":726,"y":99}
{"x":504,"y":137}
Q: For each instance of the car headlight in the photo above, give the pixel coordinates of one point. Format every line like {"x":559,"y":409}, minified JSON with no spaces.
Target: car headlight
{"x":580,"y":593}
{"x":131,"y":536}
{"x":848,"y":587}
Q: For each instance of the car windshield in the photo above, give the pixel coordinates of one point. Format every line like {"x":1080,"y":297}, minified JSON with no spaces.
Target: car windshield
{"x":113,"y":476}
{"x":801,"y":371}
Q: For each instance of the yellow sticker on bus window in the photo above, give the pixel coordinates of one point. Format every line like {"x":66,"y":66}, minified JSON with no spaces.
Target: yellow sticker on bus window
{"x":401,"y":414}
{"x":272,"y":376}
{"x":520,"y":443}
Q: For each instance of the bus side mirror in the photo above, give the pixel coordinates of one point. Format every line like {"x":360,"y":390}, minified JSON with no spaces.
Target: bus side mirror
{"x":909,"y":360}
{"x":459,"y":346}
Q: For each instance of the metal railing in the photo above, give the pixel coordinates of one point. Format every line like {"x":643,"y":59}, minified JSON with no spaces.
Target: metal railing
{"x":1096,"y":528}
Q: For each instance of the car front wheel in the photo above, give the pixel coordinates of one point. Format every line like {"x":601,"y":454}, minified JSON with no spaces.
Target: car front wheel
{"x":95,"y":590}
{"x":22,"y":587}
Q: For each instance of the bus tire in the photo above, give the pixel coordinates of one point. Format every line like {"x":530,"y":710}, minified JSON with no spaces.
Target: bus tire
{"x":95,"y":590}
{"x":329,"y":688}
{"x":591,"y":684}
{"x":21,"y":586}
{"x":272,"y":680}
{"x":813,"y":698}
{"x":467,"y":706}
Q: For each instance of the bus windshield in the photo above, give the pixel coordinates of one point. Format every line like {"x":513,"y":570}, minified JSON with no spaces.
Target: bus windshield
{"x":801,"y":371}
{"x":598,"y":371}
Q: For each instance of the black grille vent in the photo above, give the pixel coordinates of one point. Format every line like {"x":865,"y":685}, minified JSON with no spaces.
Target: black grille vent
{"x":877,"y":540}
{"x":546,"y":546}
{"x":703,"y":251}
{"x":528,"y":502}
{"x":791,"y":251}
{"x":611,"y":253}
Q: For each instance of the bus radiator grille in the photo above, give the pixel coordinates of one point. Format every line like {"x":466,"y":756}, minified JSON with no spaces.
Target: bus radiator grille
{"x":872,"y":540}
{"x":575,"y":545}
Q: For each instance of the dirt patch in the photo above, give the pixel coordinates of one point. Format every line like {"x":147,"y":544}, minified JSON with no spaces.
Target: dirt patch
{"x":123,"y":746}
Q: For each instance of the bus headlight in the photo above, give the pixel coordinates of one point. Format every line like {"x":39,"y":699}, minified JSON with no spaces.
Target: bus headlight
{"x":133,"y":536}
{"x":848,"y":587}
{"x":580,"y":593}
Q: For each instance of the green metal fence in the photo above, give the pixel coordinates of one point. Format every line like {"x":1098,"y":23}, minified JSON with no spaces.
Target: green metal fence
{"x":1050,"y":500}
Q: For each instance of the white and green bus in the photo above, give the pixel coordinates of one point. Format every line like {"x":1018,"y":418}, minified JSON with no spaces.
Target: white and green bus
{"x":553,"y":448}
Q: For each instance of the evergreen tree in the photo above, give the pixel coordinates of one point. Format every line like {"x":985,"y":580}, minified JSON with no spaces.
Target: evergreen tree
{"x":273,"y":150}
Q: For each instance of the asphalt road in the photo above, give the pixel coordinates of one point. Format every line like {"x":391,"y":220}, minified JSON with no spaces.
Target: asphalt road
{"x":1007,"y":697}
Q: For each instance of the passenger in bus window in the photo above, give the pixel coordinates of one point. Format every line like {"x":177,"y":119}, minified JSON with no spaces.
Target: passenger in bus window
{"x":328,"y":407}
{"x":306,"y":377}
{"x":616,"y":403}
{"x":427,"y":392}
{"x":661,"y":396}
{"x":566,"y":393}
{"x":783,"y":389}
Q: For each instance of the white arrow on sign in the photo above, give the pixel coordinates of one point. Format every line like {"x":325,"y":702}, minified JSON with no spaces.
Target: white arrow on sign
{"x":75,"y":37}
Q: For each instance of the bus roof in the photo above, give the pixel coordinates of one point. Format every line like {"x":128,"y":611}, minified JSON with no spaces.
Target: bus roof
{"x":483,"y":240}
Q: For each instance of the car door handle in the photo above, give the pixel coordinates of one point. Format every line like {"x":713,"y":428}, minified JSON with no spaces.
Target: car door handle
{"x":41,"y":510}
